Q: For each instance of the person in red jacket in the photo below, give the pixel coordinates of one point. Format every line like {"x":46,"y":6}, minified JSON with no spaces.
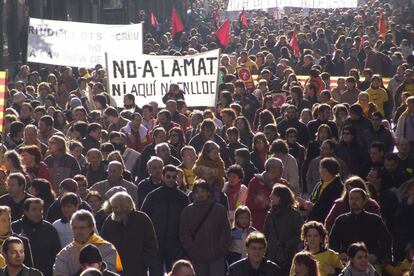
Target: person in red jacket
{"x":35,"y":168}
{"x":260,"y":188}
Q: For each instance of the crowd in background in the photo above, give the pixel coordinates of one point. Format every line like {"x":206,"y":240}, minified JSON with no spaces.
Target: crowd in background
{"x":320,"y":184}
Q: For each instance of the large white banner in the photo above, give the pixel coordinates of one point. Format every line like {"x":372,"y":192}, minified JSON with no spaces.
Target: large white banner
{"x":238,"y":5}
{"x":79,"y":44}
{"x":318,"y":4}
{"x":148,"y":77}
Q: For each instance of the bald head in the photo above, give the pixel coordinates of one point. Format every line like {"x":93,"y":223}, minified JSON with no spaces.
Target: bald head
{"x":273,"y":163}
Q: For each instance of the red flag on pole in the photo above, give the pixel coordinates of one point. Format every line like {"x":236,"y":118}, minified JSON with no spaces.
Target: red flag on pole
{"x":294,"y":43}
{"x":176,"y":24}
{"x":243,"y":18}
{"x":382,"y":25}
{"x":223,"y":33}
{"x":153,"y":20}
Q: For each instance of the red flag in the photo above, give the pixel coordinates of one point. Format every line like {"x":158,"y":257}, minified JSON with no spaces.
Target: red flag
{"x":176,"y":24}
{"x":223,"y":33}
{"x":294,"y":43}
{"x":153,"y":20}
{"x":243,"y":19}
{"x":382,"y":25}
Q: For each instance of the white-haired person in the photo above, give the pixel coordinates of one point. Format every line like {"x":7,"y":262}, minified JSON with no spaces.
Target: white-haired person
{"x":83,"y":225}
{"x":132,"y":233}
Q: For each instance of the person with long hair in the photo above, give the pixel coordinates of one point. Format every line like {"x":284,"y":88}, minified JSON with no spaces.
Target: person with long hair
{"x":210,"y":167}
{"x":265,"y":117}
{"x":305,"y":264}
{"x":13,"y":162}
{"x":176,"y":138}
{"x":42,"y":189}
{"x":246,"y":133}
{"x":341,"y":205}
{"x":340,"y":114}
{"x":260,"y":151}
{"x":267,"y":105}
{"x":350,"y":150}
{"x":358,"y":261}
{"x":282,"y":226}
{"x":61,"y":164}
{"x":314,"y":237}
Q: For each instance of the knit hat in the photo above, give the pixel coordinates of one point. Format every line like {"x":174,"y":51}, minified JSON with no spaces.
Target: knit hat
{"x":75,"y":101}
{"x":69,"y":185}
{"x":113,"y":191}
{"x":19,"y":97}
{"x":90,"y":254}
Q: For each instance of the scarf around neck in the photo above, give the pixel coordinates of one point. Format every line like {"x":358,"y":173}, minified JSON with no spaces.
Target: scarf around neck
{"x":97,"y":240}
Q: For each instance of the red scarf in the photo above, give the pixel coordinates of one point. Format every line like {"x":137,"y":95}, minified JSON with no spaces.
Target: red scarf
{"x":233,"y":195}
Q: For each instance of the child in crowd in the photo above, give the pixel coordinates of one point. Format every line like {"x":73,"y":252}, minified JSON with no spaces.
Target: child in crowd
{"x":69,"y":204}
{"x":242,"y":228}
{"x":236,"y":192}
{"x":75,"y":148}
{"x":189,"y":157}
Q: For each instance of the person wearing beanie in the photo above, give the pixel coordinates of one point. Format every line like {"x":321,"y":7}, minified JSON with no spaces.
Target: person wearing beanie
{"x":90,"y":257}
{"x":68,"y":185}
{"x":75,"y":102}
{"x":357,"y":120}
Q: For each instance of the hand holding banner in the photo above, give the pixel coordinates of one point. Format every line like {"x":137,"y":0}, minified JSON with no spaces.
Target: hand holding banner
{"x":148,"y":77}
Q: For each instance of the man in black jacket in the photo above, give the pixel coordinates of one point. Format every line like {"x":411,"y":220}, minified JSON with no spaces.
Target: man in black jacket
{"x":255,"y":263}
{"x":292,"y":120}
{"x":93,"y":135}
{"x":324,"y":112}
{"x":208,"y":133}
{"x":44,"y":239}
{"x":366,"y":227}
{"x":68,"y":185}
{"x":325,"y":192}
{"x":154,"y":181}
{"x":14,"y":254}
{"x":164,"y":206}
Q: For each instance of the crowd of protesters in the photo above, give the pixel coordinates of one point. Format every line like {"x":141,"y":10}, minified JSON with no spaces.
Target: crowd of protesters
{"x":319,"y":185}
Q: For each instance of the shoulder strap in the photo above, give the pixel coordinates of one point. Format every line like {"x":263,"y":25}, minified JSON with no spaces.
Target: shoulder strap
{"x":203,"y":220}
